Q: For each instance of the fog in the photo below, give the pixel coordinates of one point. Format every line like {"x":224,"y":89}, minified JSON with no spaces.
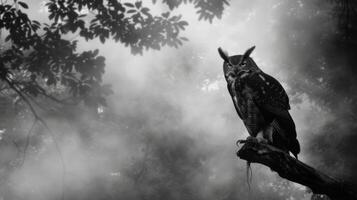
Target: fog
{"x":170,"y":128}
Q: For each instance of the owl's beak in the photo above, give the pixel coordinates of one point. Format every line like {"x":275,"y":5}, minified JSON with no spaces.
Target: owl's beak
{"x":243,"y":72}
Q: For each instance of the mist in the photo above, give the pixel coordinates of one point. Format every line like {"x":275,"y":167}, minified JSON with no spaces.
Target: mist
{"x":170,"y":128}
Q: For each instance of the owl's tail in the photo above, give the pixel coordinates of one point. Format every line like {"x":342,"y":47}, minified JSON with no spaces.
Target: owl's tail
{"x":284,"y":135}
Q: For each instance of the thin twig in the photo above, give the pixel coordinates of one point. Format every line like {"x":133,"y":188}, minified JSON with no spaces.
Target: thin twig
{"x":38,"y":118}
{"x":13,"y":87}
{"x":57,"y":100}
{"x":27,"y":142}
{"x":59,"y":153}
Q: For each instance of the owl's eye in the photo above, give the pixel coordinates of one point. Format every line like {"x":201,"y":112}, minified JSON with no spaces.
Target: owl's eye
{"x":243,"y":64}
{"x":230,"y":65}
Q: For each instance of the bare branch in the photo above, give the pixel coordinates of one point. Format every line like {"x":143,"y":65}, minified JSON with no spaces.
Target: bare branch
{"x":13,"y":87}
{"x":59,"y":101}
{"x":27,"y":143}
{"x":43,"y":122}
{"x":294,"y":170}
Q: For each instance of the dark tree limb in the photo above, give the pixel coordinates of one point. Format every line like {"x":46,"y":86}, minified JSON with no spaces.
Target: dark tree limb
{"x":294,"y":170}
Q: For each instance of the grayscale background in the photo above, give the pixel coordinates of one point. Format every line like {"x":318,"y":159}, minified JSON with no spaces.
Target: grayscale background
{"x":170,"y":128}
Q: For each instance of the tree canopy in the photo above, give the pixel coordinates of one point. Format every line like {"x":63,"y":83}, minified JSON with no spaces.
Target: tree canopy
{"x":38,"y":56}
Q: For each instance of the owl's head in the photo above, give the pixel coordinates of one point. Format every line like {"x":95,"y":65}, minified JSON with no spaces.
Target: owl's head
{"x":238,"y":64}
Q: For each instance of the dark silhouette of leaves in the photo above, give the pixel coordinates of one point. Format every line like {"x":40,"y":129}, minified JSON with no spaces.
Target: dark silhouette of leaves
{"x":39,"y":57}
{"x":206,"y":9}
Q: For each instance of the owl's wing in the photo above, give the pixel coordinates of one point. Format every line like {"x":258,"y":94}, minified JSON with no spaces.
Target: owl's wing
{"x":268,"y":93}
{"x":272,"y":101}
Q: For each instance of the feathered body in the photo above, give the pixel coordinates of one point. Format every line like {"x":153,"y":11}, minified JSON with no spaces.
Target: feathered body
{"x":260,"y":101}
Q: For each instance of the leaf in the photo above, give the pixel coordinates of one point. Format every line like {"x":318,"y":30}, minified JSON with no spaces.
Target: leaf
{"x":36,"y":22}
{"x":24,"y":5}
{"x":145,"y":11}
{"x":102,"y":39}
{"x":138,"y":4}
{"x":131,"y":11}
{"x":166,"y":14}
{"x":95,"y":52}
{"x":183,"y":38}
{"x":182,"y":24}
{"x":129,"y":5}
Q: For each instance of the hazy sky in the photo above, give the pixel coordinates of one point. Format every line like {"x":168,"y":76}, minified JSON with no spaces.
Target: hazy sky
{"x":174,"y":127}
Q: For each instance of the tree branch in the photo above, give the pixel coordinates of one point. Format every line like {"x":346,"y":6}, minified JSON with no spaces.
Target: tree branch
{"x":13,"y":87}
{"x":294,"y":170}
{"x":38,"y":118}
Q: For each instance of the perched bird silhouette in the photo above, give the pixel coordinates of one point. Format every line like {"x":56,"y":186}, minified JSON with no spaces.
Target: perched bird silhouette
{"x":260,"y":101}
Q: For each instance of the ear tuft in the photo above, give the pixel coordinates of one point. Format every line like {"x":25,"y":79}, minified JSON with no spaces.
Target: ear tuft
{"x":248,"y":52}
{"x":223,"y":54}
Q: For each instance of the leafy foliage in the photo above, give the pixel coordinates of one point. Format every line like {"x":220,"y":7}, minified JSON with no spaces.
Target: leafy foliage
{"x":131,"y":24}
{"x":206,"y":9}
{"x":38,"y":57}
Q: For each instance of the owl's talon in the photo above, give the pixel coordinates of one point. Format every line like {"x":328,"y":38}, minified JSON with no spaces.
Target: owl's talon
{"x":262,"y":140}
{"x":240,"y":142}
{"x":250,"y":138}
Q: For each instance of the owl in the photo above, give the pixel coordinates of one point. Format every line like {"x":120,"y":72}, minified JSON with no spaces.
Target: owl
{"x":260,"y":101}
